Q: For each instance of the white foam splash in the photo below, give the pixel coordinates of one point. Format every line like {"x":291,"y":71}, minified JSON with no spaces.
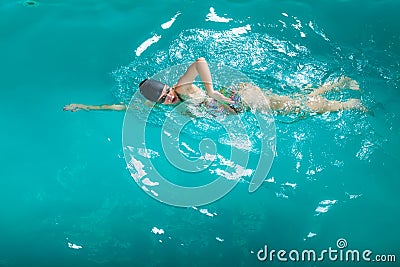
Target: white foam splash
{"x":317,"y":31}
{"x":324,"y":206}
{"x":241,"y":30}
{"x":188,"y":147}
{"x":148,"y":182}
{"x":270,"y":180}
{"x":297,"y":25}
{"x":74,"y":246}
{"x":154,"y":193}
{"x":208,"y":157}
{"x":169,"y":23}
{"x":212,"y":16}
{"x":311,"y":234}
{"x":238,"y":172}
{"x":137,"y":165}
{"x":281,"y":195}
{"x":350,"y":196}
{"x":290,"y":184}
{"x":148,"y":153}
{"x":366,"y":150}
{"x":157,"y":231}
{"x":154,"y":39}
{"x":206,"y":212}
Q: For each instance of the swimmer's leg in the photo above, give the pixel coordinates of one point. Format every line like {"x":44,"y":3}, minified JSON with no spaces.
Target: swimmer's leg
{"x":342,"y":83}
{"x":320,"y":105}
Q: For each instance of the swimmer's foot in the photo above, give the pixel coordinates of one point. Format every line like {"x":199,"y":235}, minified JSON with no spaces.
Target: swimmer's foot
{"x":339,"y":84}
{"x":75,"y":107}
{"x":354,"y":103}
{"x":347,"y":83}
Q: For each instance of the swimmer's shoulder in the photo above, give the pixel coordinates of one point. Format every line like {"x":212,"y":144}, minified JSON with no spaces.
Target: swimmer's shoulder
{"x":191,"y":91}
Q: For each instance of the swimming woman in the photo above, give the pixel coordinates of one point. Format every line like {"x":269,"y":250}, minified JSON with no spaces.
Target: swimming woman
{"x":235,"y":100}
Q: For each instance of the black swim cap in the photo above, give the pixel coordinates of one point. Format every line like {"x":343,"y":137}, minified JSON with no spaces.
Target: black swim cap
{"x":151,"y":89}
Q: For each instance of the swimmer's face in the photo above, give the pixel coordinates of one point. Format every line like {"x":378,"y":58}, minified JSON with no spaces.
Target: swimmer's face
{"x":168,"y":97}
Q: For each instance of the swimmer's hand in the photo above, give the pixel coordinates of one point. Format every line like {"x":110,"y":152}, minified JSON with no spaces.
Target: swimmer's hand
{"x":75,"y":107}
{"x":220,"y":97}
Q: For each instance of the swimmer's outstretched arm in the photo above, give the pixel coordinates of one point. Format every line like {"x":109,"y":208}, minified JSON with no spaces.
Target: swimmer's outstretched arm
{"x":76,"y":107}
{"x":200,"y":67}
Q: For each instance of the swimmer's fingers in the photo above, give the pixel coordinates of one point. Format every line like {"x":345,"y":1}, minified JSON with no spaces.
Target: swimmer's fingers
{"x":70,"y":107}
{"x":220,"y":97}
{"x":226,"y":100}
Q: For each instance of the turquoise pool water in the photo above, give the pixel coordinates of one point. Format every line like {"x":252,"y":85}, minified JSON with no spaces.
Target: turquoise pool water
{"x":67,"y":196}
